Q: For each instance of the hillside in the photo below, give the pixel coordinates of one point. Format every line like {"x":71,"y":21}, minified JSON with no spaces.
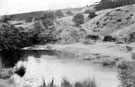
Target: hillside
{"x":111,"y":21}
{"x":24,"y":16}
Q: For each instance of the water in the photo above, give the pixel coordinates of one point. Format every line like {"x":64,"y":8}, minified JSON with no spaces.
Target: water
{"x":54,"y":65}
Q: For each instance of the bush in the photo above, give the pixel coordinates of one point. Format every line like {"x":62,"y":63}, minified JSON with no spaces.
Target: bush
{"x":47,"y":22}
{"x":109,"y":38}
{"x":78,"y":19}
{"x":69,"y":12}
{"x":133,"y":56}
{"x":130,"y":38}
{"x":5,"y":18}
{"x":29,"y":19}
{"x":92,"y":13}
{"x":59,"y":13}
{"x":129,"y":48}
{"x":50,"y":15}
{"x":93,"y":37}
{"x":87,"y":11}
{"x":126,"y":74}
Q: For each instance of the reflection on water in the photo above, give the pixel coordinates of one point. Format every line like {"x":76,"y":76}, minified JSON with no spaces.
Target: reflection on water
{"x":50,"y":65}
{"x":11,"y":57}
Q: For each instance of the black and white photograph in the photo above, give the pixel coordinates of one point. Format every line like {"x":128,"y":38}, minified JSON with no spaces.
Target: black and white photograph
{"x":67,"y":43}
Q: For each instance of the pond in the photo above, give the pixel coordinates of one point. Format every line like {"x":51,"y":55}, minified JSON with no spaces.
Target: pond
{"x":54,"y":65}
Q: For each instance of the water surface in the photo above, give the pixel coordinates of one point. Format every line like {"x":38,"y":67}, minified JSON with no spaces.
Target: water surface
{"x":54,"y":65}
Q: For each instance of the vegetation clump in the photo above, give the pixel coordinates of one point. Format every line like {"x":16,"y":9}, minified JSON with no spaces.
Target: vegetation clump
{"x":16,"y":38}
{"x":67,"y":83}
{"x":126,"y":71}
{"x":78,"y":19}
{"x":109,"y":38}
{"x":130,"y":38}
{"x":69,"y":12}
{"x":92,"y":14}
{"x":59,"y":14}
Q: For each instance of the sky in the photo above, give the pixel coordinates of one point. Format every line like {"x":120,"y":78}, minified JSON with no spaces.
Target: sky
{"x":21,"y":6}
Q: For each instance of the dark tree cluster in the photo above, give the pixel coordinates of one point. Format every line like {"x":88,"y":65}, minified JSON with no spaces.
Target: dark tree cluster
{"x":59,"y":14}
{"x":105,"y":4}
{"x":109,"y":38}
{"x":13,"y":38}
{"x":78,"y":19}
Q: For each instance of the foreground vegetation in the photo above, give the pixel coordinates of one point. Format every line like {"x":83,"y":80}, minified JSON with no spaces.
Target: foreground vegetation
{"x":18,"y":37}
{"x":66,"y":83}
{"x":126,"y":71}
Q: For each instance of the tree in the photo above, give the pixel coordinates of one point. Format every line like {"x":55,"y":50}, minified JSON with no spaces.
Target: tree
{"x":5,"y":18}
{"x":29,"y":19}
{"x":78,"y":19}
{"x":91,"y":13}
{"x":59,"y":14}
{"x":69,"y":12}
{"x":50,"y":15}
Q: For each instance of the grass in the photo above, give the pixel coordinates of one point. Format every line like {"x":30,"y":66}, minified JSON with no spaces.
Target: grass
{"x":129,"y":48}
{"x":66,"y":83}
{"x":86,"y":83}
{"x":133,"y":56}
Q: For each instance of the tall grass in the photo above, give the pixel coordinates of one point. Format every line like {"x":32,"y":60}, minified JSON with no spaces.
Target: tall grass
{"x":66,"y":83}
{"x":86,"y":83}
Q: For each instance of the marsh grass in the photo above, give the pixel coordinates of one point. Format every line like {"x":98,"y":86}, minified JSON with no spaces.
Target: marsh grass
{"x":66,"y":83}
{"x":86,"y":83}
{"x":133,"y":55}
{"x":129,"y":48}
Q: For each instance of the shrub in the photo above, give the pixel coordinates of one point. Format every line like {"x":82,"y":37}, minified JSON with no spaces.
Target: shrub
{"x":129,"y":48}
{"x":69,"y":12}
{"x":78,"y":19}
{"x":109,"y":38}
{"x":92,"y":14}
{"x":93,"y":37}
{"x":59,"y":13}
{"x":133,"y":56}
{"x":29,"y":19}
{"x":87,"y":11}
{"x":47,"y":22}
{"x":50,"y":15}
{"x":5,"y":18}
{"x":119,"y":20}
{"x":130,"y":38}
{"x":126,"y":74}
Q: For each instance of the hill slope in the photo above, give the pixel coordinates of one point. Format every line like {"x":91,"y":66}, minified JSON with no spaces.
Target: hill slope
{"x":111,"y":21}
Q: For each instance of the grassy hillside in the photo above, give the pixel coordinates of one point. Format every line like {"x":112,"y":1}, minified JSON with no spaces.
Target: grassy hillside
{"x":24,"y":16}
{"x":111,"y":21}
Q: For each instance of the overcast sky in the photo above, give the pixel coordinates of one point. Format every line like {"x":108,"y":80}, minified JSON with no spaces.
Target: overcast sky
{"x":20,"y":6}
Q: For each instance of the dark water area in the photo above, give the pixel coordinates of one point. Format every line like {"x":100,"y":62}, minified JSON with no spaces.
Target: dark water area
{"x":11,"y":57}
